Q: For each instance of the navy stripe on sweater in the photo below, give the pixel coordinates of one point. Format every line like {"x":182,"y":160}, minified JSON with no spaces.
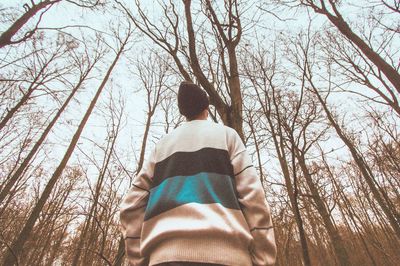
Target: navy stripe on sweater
{"x":204,"y":188}
{"x":209,"y":160}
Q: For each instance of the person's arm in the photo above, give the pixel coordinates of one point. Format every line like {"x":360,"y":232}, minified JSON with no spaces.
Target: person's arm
{"x":254,"y":206}
{"x":132,"y":212}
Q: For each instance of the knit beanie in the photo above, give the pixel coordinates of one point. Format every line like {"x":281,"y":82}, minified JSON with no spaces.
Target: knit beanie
{"x":192,"y":100}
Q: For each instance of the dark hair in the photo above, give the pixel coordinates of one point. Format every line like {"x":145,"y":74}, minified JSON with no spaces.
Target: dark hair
{"x":192,"y":100}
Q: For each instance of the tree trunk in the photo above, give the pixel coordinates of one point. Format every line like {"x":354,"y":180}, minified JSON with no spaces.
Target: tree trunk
{"x":257,"y":146}
{"x":292,"y":195}
{"x":57,"y":246}
{"x":350,"y":211}
{"x":32,"y":87}
{"x":13,"y":110}
{"x":390,"y":72}
{"x":118,"y":260}
{"x":231,"y":115}
{"x":5,"y":37}
{"x":336,"y":240}
{"x":278,"y":140}
{"x":93,"y":208}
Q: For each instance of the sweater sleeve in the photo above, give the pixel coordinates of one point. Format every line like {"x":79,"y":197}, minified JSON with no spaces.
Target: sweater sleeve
{"x":254,"y":206}
{"x":132,"y":210}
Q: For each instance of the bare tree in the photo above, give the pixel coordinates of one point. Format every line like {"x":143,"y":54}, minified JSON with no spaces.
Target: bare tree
{"x":85,"y":66}
{"x":153,"y":75}
{"x":381,"y":197}
{"x":261,"y":73}
{"x":18,"y":243}
{"x":7,"y":37}
{"x":56,"y":215}
{"x":37,"y":77}
{"x":331,"y":11}
{"x":90,"y":235}
{"x":30,"y":12}
{"x":227,"y":31}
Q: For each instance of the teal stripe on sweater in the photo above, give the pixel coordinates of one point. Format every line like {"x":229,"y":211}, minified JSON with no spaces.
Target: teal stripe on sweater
{"x":204,"y":188}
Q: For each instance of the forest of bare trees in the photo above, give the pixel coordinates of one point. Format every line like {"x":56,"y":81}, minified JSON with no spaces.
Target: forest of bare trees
{"x":311,"y":86}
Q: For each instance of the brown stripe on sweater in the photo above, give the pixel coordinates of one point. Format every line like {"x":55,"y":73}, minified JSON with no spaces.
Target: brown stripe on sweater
{"x":208,"y":160}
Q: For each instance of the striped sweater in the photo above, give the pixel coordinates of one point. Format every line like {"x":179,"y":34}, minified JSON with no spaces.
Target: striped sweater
{"x":198,"y":199}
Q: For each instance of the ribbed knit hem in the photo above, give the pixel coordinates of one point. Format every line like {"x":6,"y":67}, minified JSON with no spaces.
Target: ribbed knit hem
{"x":206,"y":250}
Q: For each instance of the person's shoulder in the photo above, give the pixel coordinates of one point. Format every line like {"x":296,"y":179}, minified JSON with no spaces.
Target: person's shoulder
{"x":216,"y":125}
{"x":174,"y":134}
{"x":169,"y":135}
{"x":220,"y":129}
{"x":230,"y":135}
{"x":231,"y":132}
